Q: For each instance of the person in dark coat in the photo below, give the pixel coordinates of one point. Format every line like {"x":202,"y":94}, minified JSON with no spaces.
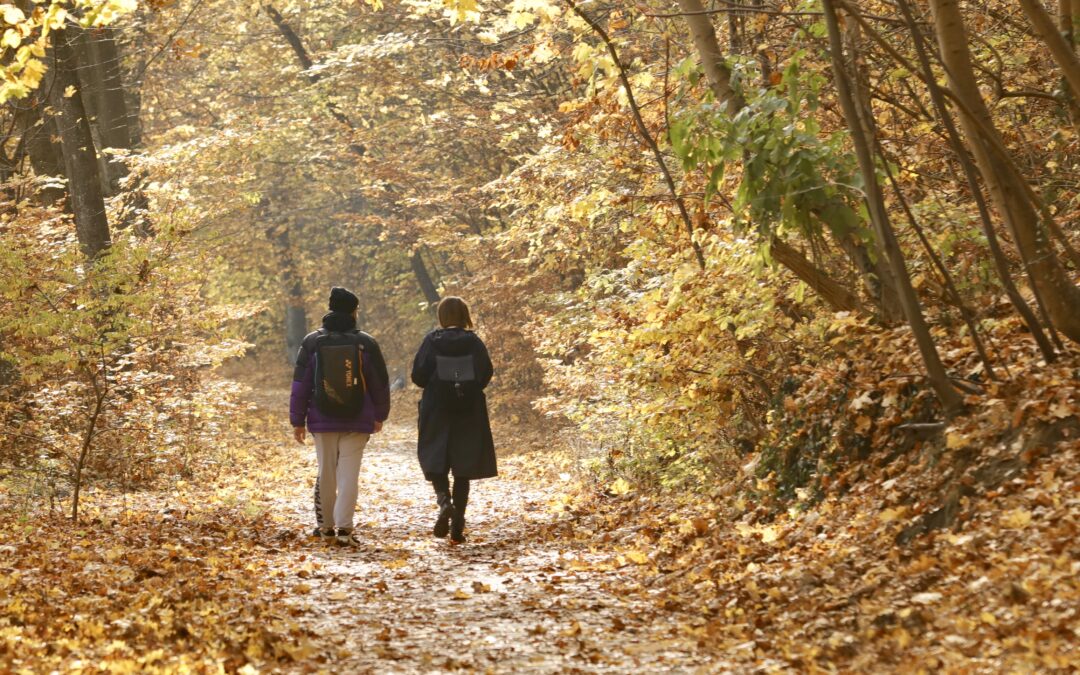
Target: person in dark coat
{"x":453,"y":367}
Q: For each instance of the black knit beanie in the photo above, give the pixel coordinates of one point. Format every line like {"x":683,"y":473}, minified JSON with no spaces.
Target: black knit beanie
{"x":341,"y":300}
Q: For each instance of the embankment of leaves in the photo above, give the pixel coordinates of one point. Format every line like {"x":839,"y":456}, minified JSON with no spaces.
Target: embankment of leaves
{"x":169,"y":580}
{"x":868,"y":532}
{"x":141,"y":592}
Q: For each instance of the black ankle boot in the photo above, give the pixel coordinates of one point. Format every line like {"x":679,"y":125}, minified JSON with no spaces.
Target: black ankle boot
{"x":457,"y":525}
{"x":446,"y":513}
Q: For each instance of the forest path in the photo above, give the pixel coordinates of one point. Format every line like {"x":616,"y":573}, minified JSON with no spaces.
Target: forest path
{"x":508,"y":600}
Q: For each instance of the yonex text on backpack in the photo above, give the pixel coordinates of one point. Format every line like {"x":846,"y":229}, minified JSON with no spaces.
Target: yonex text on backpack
{"x":339,"y":378}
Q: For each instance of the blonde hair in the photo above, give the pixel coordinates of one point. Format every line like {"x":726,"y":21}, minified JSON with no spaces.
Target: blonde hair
{"x":453,"y":311}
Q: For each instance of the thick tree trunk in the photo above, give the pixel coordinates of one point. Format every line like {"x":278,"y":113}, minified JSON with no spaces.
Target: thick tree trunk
{"x":862,"y":128}
{"x":76,"y":140}
{"x":1059,"y":295}
{"x":100,"y":73}
{"x":39,"y":142}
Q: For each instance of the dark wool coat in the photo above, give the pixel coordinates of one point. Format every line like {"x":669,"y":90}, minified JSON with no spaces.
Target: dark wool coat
{"x":449,"y":440}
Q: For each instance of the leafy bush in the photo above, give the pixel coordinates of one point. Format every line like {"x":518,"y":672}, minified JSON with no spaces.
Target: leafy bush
{"x":107,"y":364}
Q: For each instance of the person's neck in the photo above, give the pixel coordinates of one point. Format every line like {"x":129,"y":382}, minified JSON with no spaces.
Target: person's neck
{"x":335,"y":320}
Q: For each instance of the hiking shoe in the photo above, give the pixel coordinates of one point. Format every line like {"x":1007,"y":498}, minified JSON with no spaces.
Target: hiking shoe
{"x":457,"y":528}
{"x":446,"y":512}
{"x":346,"y":537}
{"x":322,"y":534}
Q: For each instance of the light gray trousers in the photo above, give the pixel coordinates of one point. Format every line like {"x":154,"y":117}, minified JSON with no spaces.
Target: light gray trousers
{"x":339,"y":454}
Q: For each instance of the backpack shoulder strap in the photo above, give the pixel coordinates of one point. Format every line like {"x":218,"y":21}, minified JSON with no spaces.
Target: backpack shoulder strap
{"x":364,"y":341}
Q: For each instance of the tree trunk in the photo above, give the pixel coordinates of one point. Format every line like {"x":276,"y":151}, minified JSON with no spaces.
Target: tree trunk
{"x":1059,"y":295}
{"x":1066,"y":22}
{"x":836,"y":295}
{"x":296,"y":321}
{"x":719,"y":77}
{"x":104,"y":94}
{"x":77,"y":143}
{"x":1001,"y":263}
{"x":643,"y":131}
{"x":1074,"y":13}
{"x":423,"y":278}
{"x":860,"y":87}
{"x":101,"y":391}
{"x":306,"y":62}
{"x":39,"y":135}
{"x":1060,"y":47}
{"x":862,"y":128}
{"x":712,"y":59}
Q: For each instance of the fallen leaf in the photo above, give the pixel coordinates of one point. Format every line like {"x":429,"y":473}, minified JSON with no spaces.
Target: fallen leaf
{"x":926,"y":598}
{"x":1016,"y":519}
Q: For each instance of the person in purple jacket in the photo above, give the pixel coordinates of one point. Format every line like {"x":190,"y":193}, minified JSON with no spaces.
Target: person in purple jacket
{"x":339,"y":440}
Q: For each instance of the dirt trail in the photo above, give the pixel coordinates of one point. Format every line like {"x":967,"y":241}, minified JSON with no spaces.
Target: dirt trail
{"x":509,"y":600}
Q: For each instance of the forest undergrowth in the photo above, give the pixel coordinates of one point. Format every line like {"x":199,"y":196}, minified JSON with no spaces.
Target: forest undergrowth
{"x":915,"y":550}
{"x":867,"y":538}
{"x":783,"y":299}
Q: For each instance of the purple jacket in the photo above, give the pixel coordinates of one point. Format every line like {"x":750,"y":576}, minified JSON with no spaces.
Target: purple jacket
{"x":376,"y":399}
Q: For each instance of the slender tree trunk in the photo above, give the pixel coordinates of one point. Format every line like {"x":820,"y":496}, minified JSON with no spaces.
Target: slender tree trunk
{"x":861,"y":130}
{"x":100,"y":394}
{"x":296,"y":322}
{"x":881,"y":268}
{"x":423,"y":278}
{"x":1060,"y":47}
{"x":837,"y":296}
{"x":712,"y":58}
{"x":133,"y":95}
{"x":644,"y":132}
{"x":1059,"y":295}
{"x":1069,"y":21}
{"x":306,"y":62}
{"x":1001,"y":262}
{"x":719,"y":77}
{"x":77,"y":143}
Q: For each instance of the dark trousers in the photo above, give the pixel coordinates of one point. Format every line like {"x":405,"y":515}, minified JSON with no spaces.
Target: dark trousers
{"x":461,"y":488}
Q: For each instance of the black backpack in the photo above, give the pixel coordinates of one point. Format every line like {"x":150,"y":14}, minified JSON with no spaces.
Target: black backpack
{"x":458,"y":377}
{"x":339,"y":377}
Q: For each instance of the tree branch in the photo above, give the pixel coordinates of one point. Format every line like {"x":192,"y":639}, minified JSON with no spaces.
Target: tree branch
{"x":639,"y":122}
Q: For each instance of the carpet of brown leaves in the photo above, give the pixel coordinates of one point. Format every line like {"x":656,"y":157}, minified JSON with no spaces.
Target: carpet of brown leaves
{"x":218,"y":573}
